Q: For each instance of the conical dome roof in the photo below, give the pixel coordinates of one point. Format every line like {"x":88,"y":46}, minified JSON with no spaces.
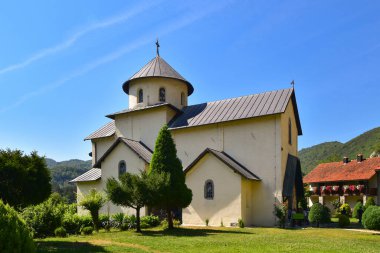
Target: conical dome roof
{"x":157,"y":67}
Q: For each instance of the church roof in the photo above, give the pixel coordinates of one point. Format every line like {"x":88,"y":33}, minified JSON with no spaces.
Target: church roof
{"x":105,"y":131}
{"x":136,"y":146}
{"x":91,"y":175}
{"x":226,"y":159}
{"x":157,"y":67}
{"x":112,"y":115}
{"x":256,"y":105}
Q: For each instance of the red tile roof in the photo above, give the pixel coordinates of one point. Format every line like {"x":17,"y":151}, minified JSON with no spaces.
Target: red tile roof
{"x":338,"y":171}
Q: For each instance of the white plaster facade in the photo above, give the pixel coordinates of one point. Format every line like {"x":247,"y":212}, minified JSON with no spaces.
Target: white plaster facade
{"x":259,"y":144}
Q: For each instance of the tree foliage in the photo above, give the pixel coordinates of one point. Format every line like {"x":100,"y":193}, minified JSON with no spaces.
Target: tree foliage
{"x":14,"y":234}
{"x":370,"y":202}
{"x":92,"y":202}
{"x":44,"y":218}
{"x":131,"y":191}
{"x":319,"y":214}
{"x":173,"y":192}
{"x":63,"y":172}
{"x":371,"y":218}
{"x":24,"y":179}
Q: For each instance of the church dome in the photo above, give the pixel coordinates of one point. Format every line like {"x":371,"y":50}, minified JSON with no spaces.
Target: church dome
{"x":158,"y":67}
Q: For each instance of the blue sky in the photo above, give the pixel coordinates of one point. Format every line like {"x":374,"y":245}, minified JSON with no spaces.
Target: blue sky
{"x":62,"y":63}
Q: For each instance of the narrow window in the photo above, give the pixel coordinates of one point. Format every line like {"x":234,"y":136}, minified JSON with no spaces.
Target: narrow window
{"x":182,"y":98}
{"x":209,"y":189}
{"x":122,"y":168}
{"x":161,"y":95}
{"x":290,"y":132}
{"x":141,"y":96}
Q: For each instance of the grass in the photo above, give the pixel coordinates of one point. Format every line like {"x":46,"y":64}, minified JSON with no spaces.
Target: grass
{"x":217,"y":240}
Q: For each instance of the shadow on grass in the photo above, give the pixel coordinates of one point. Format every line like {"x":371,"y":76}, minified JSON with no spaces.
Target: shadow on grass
{"x":191,"y":232}
{"x":60,"y":246}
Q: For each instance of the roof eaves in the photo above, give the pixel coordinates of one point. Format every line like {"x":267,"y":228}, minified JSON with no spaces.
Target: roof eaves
{"x":251,"y":175}
{"x":112,"y":115}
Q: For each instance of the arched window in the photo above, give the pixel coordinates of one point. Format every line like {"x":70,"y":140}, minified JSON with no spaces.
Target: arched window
{"x":161,"y":95}
{"x":290,"y":132}
{"x":182,"y":98}
{"x":122,"y":168}
{"x":209,"y":189}
{"x":141,"y":96}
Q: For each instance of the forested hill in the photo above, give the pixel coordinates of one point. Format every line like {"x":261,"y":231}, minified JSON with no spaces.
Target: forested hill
{"x":63,"y":172}
{"x":365,"y":144}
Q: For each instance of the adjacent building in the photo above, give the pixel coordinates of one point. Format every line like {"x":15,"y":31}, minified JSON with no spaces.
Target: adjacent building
{"x":239,"y":154}
{"x":348,"y":181}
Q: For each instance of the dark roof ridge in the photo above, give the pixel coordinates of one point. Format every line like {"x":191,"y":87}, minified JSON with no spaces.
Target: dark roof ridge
{"x":134,"y":149}
{"x":232,"y":164}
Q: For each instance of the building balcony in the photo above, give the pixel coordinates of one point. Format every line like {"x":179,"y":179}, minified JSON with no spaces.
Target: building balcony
{"x":345,"y":190}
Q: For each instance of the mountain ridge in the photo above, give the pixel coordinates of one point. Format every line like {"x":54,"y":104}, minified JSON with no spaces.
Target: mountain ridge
{"x":333,"y":151}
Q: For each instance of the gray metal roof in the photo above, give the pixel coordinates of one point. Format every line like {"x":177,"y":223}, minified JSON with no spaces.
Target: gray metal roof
{"x":91,"y":175}
{"x":158,"y":67}
{"x":112,"y":115}
{"x":105,"y":131}
{"x":268,"y":103}
{"x":226,"y":159}
{"x":143,"y":151}
{"x":136,"y":146}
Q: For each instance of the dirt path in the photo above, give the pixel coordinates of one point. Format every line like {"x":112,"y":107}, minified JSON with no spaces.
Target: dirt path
{"x":364,"y":231}
{"x":123,"y":244}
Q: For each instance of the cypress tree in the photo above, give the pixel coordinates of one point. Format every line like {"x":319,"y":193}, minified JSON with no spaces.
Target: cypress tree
{"x":171,"y":193}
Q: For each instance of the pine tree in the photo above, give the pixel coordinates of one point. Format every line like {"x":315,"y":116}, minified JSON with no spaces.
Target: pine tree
{"x":171,"y":193}
{"x":131,"y":191}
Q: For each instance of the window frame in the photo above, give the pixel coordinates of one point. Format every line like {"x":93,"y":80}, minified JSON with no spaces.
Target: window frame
{"x":140,"y":97}
{"x":119,"y":168}
{"x":206,"y":192}
{"x":162,"y":98}
{"x":290,"y":132}
{"x":182,"y":98}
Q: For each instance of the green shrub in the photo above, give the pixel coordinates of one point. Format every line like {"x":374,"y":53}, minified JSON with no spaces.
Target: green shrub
{"x":119,"y":219}
{"x":206,"y":221}
{"x":149,"y":221}
{"x":241,"y":223}
{"x":370,"y":202}
{"x":164,"y":224}
{"x":14,"y":234}
{"x":72,"y":223}
{"x":86,"y":221}
{"x":345,"y":207}
{"x":104,"y":220}
{"x":44,"y":218}
{"x":344,"y":220}
{"x":357,"y":206}
{"x":280,"y":211}
{"x":371,"y":218}
{"x":87,"y":230}
{"x":130,"y":221}
{"x":319,"y":214}
{"x":176,"y":223}
{"x":60,"y":232}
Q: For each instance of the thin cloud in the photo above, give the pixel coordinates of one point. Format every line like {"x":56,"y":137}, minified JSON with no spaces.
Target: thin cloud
{"x":74,"y":38}
{"x":172,"y":27}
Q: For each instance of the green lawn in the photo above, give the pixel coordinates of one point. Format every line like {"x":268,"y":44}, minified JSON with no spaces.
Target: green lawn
{"x":217,"y":240}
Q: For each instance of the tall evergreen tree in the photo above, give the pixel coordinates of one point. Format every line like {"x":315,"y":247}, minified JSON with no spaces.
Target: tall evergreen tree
{"x":24,"y":179}
{"x":173,"y":192}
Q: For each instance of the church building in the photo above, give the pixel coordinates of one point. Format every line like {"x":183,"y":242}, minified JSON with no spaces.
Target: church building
{"x":239,"y":155}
